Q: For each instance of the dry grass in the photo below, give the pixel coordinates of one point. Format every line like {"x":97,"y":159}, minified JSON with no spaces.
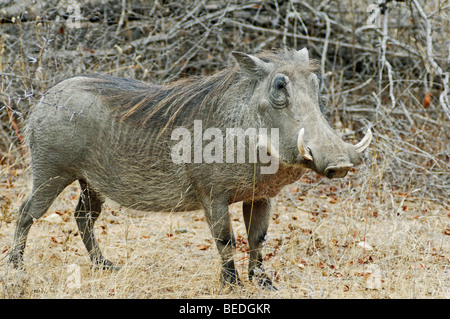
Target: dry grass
{"x":352,"y":245}
{"x":382,"y":232}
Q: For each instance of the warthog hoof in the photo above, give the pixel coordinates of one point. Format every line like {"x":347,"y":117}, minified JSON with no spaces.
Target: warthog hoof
{"x":16,"y":261}
{"x":230,"y":278}
{"x":259,"y":276}
{"x":105,"y":264}
{"x":266,"y":283}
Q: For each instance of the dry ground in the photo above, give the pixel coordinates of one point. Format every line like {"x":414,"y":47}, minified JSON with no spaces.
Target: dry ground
{"x":327,"y":239}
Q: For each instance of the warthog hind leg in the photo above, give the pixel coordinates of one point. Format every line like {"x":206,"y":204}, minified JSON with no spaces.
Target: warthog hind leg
{"x":45,"y":190}
{"x":88,"y":209}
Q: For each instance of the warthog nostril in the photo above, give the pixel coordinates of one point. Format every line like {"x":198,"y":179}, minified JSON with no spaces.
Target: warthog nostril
{"x":337,"y":171}
{"x":330,"y":173}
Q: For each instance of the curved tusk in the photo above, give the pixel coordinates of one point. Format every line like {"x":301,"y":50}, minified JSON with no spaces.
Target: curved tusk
{"x":304,"y":150}
{"x":364,"y":143}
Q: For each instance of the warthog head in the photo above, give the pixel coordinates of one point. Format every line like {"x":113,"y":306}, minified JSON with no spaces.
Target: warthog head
{"x":287,"y":96}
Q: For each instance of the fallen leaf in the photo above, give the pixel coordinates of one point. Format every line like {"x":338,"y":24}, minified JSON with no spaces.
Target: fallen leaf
{"x":418,"y":266}
{"x":427,"y":100}
{"x":293,"y":190}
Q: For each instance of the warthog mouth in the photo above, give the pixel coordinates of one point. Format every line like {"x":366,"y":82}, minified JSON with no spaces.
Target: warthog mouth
{"x":337,"y":171}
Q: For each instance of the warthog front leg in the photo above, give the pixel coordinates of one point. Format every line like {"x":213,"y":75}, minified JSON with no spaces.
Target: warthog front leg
{"x":256,"y":217}
{"x":218,"y":219}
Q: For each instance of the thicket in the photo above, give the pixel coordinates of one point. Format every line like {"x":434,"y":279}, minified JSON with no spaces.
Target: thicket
{"x":386,"y":64}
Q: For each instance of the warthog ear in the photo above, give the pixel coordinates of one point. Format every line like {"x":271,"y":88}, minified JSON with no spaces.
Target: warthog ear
{"x":302,"y":56}
{"x":252,"y":65}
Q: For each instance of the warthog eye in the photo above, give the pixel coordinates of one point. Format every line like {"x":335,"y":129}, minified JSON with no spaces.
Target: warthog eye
{"x":279,"y":95}
{"x":279,"y":83}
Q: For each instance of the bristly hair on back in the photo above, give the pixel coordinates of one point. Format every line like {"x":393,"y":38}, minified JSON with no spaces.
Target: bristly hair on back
{"x":132,"y":100}
{"x":141,"y":102}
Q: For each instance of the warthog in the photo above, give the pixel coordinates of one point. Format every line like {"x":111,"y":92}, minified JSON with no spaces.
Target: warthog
{"x":115,"y":137}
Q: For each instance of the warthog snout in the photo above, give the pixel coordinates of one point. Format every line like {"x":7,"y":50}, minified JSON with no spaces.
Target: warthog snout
{"x":333,"y":159}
